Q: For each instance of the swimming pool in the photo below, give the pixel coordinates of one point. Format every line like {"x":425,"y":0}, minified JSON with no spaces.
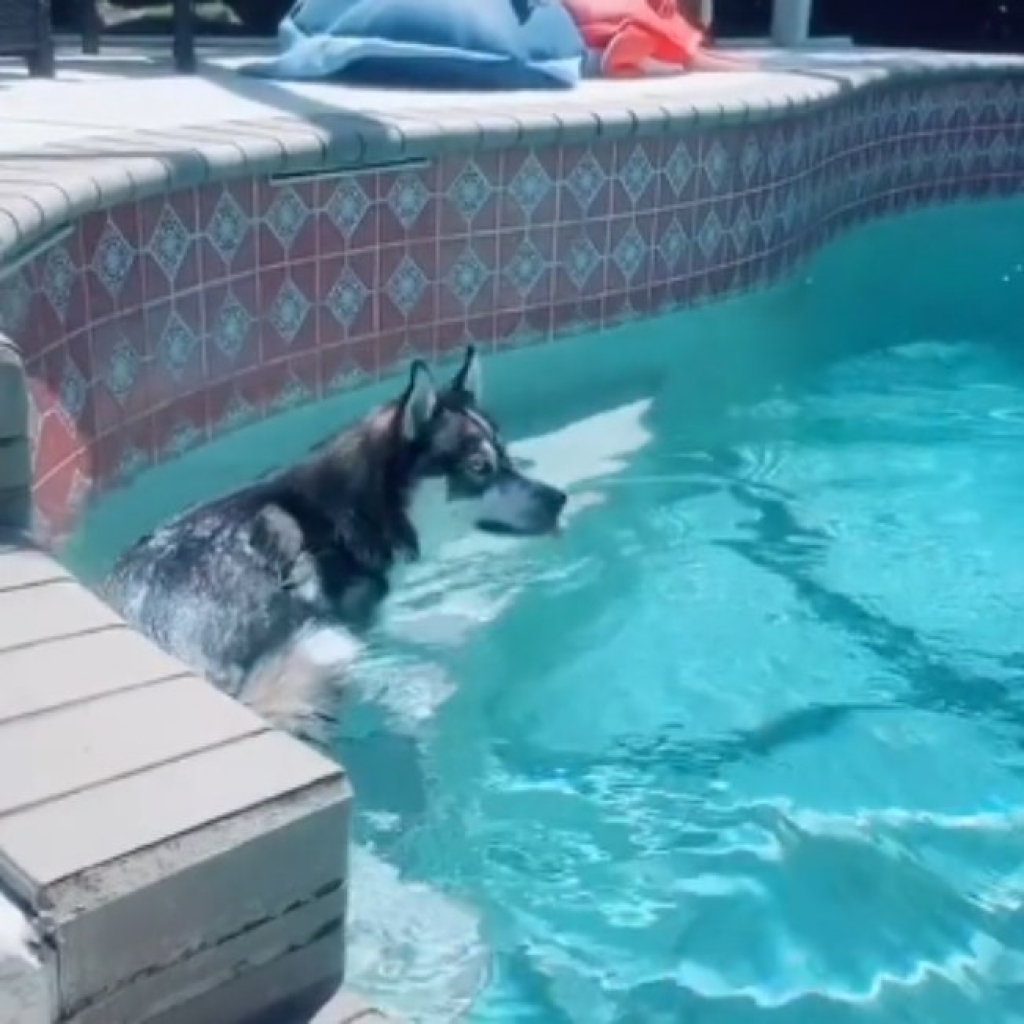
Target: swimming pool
{"x":745,"y":744}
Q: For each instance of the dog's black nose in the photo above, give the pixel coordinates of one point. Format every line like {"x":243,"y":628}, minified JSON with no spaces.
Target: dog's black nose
{"x":555,"y":501}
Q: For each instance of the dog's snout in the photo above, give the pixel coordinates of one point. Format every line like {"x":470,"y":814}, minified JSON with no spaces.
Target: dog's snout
{"x":555,"y":500}
{"x":518,"y":505}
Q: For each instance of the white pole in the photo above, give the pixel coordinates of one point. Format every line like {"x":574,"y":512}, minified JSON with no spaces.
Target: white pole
{"x":791,"y":22}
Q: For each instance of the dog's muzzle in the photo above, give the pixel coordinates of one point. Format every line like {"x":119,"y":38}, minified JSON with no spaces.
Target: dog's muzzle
{"x":518,"y":506}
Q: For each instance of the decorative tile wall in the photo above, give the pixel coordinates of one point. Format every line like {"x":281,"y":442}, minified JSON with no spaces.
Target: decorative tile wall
{"x":155,"y":326}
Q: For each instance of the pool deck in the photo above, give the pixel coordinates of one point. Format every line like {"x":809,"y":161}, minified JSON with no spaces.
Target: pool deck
{"x":129,"y":788}
{"x":88,"y":100}
{"x":122,"y":125}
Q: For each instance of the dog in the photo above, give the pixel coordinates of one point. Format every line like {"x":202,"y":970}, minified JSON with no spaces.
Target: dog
{"x":267,"y":591}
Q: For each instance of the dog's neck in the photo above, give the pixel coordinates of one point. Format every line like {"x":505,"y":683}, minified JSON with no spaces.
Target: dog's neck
{"x":362,"y":482}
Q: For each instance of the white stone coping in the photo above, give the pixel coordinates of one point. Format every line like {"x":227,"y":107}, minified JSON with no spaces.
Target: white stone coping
{"x":118,"y":144}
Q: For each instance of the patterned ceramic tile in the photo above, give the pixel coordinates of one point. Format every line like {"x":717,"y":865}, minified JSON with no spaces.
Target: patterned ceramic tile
{"x":227,"y":226}
{"x":233,"y":404}
{"x":180,"y":426}
{"x":63,"y":375}
{"x":406,"y":285}
{"x":525,"y":267}
{"x":111,"y":251}
{"x":57,"y":439}
{"x":227,"y":235}
{"x":630,"y":266}
{"x":175,"y":334}
{"x":680,"y":169}
{"x":585,"y":190}
{"x":347,"y":296}
{"x":231,"y":323}
{"x":529,"y":187}
{"x":154,"y":326}
{"x":347,"y":211}
{"x":286,"y":298}
{"x":58,"y":276}
{"x":751,"y":160}
{"x":231,"y":328}
{"x":672,"y":246}
{"x":289,"y":383}
{"x":170,"y":243}
{"x":524,"y":270}
{"x":467,"y":276}
{"x":716,"y":166}
{"x":580,"y":259}
{"x":73,"y":392}
{"x":288,"y":310}
{"x":408,"y":207}
{"x":121,"y":371}
{"x":468,"y":191}
{"x":121,"y":454}
{"x":630,"y":253}
{"x":287,"y":216}
{"x":178,"y":347}
{"x":113,"y":259}
{"x":347,"y":365}
{"x":287,"y":229}
{"x":408,"y":276}
{"x":580,"y":253}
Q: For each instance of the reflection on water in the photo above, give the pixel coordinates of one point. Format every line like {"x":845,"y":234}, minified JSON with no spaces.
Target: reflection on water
{"x":745,"y":744}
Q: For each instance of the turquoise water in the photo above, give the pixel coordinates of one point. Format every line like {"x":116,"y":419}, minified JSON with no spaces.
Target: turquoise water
{"x":746,"y":745}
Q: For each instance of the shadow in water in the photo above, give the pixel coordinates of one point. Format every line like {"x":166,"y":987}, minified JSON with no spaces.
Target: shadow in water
{"x":781,"y":546}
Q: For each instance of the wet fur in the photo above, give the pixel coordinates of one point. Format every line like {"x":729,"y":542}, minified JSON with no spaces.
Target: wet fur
{"x":265,"y":591}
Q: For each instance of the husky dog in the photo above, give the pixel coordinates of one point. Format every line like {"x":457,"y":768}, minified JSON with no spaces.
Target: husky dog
{"x":265,"y":591}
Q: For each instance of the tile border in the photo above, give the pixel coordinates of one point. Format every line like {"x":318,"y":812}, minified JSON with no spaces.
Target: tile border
{"x":96,"y":173}
{"x":282,"y":267}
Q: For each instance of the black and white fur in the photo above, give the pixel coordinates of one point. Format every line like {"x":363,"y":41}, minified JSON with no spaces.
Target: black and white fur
{"x":265,"y":591}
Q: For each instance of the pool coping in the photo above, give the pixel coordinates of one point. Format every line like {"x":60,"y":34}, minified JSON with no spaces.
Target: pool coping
{"x":63,"y":182}
{"x":44,"y":195}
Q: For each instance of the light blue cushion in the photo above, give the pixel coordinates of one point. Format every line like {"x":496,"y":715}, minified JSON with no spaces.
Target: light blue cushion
{"x":440,"y":43}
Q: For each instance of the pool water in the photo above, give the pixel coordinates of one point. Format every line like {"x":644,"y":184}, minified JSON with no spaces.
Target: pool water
{"x":746,"y":744}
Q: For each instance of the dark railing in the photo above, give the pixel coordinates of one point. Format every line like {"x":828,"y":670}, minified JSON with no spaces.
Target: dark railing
{"x":25,"y":32}
{"x":183,"y":31}
{"x":940,"y":24}
{"x":993,"y":25}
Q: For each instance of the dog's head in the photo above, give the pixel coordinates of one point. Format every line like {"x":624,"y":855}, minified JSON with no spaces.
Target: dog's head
{"x":460,"y":461}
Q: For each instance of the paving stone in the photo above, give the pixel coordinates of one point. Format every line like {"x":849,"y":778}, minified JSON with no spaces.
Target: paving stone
{"x":73,"y":747}
{"x":61,"y":608}
{"x":22,"y":566}
{"x":112,"y":820}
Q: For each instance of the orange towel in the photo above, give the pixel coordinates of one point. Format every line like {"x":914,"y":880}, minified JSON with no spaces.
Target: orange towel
{"x":631,"y":35}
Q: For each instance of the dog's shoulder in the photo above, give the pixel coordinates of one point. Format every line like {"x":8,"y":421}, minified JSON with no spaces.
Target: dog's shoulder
{"x":316,"y":553}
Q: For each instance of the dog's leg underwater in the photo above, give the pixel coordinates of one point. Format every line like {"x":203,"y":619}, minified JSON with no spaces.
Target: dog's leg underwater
{"x":295,"y":687}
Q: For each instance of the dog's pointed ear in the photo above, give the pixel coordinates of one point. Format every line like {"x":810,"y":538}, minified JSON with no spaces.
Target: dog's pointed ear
{"x":418,"y":401}
{"x":470,"y":376}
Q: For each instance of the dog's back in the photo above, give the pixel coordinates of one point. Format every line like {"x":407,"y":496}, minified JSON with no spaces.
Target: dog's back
{"x":224,"y":585}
